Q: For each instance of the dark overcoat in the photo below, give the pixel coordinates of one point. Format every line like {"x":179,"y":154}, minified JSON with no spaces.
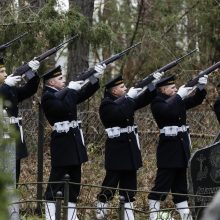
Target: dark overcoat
{"x":122,"y":153}
{"x":12,"y":96}
{"x":217,"y":109}
{"x":67,"y":149}
{"x":174,"y":151}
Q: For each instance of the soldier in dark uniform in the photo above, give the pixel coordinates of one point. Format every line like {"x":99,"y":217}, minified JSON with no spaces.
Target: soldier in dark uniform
{"x":67,"y":147}
{"x":122,"y":149}
{"x":3,"y":74}
{"x":217,"y":104}
{"x":12,"y":95}
{"x":173,"y":150}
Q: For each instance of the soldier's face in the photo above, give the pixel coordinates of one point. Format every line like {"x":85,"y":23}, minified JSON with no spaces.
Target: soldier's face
{"x":119,"y":90}
{"x":58,"y":82}
{"x":169,"y":90}
{"x":3,"y":74}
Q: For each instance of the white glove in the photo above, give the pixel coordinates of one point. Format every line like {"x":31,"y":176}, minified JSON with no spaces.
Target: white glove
{"x":76,"y":85}
{"x":183,"y":91}
{"x":99,"y":68}
{"x":12,"y":80}
{"x":203,"y":80}
{"x":133,"y":92}
{"x":157,"y":77}
{"x":34,"y":65}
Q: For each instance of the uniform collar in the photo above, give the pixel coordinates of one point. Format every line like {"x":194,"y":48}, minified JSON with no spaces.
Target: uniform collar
{"x":109,"y":95}
{"x":164,"y":96}
{"x":51,"y":89}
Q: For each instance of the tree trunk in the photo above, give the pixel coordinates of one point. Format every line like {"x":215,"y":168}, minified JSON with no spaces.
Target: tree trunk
{"x":36,"y":4}
{"x":4,"y":3}
{"x":78,"y":53}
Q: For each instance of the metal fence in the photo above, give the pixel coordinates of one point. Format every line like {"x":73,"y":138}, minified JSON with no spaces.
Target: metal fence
{"x":203,"y":128}
{"x":87,"y":201}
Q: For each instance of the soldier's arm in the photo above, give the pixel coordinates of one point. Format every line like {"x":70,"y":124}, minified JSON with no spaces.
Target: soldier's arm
{"x":87,"y":91}
{"x":29,"y":89}
{"x":217,"y":109}
{"x":196,"y":99}
{"x":118,"y":110}
{"x":167,"y":108}
{"x":58,"y":107}
{"x":144,"y":98}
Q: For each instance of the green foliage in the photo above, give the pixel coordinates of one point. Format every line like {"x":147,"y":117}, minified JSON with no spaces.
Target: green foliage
{"x":163,"y":26}
{"x":4,"y":181}
{"x":47,"y":28}
{"x":76,"y":22}
{"x":101,"y":34}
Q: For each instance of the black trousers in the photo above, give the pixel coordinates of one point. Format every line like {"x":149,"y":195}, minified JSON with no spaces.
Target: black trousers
{"x":170,"y":179}
{"x":18,"y":170}
{"x":125,"y":180}
{"x":57,"y":174}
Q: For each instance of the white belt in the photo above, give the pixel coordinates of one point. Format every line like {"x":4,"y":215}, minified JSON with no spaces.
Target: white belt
{"x":64,"y":126}
{"x":117,"y":131}
{"x":173,"y":130}
{"x":14,"y":120}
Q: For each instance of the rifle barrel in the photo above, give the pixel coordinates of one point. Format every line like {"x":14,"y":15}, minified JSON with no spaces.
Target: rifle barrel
{"x":189,"y":53}
{"x":131,"y":47}
{"x":67,"y":41}
{"x":17,"y":38}
{"x":207,"y":71}
{"x":90,"y":72}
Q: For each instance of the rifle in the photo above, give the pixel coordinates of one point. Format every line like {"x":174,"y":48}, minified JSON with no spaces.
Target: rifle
{"x":6,"y":45}
{"x":25,"y":68}
{"x":207,"y":71}
{"x":89,"y":73}
{"x":147,"y":81}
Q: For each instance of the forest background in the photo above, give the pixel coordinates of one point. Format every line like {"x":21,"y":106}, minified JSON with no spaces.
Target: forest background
{"x":167,"y":29}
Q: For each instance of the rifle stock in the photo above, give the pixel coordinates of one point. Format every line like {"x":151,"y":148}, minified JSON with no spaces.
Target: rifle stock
{"x":207,"y":71}
{"x":25,"y":68}
{"x":148,"y":80}
{"x":115,"y":57}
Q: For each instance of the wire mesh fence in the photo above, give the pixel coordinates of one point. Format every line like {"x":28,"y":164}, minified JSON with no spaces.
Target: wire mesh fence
{"x":203,"y":129}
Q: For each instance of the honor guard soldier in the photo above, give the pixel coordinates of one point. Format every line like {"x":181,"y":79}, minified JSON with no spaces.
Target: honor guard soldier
{"x":67,"y":148}
{"x":122,"y":148}
{"x":12,"y":95}
{"x":217,"y":104}
{"x":173,"y":150}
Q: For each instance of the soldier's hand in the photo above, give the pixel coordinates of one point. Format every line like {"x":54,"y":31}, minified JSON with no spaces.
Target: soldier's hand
{"x":76,"y":85}
{"x":183,"y":91}
{"x":203,"y":80}
{"x":12,"y":80}
{"x":157,"y":77}
{"x":34,"y":65}
{"x":99,"y":68}
{"x":133,"y":92}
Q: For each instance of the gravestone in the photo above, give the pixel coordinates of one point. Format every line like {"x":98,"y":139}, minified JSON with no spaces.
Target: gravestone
{"x":204,"y":176}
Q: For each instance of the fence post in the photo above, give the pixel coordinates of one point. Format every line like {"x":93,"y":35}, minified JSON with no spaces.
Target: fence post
{"x":122,"y":208}
{"x":59,"y":197}
{"x":66,"y":196}
{"x":41,"y":122}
